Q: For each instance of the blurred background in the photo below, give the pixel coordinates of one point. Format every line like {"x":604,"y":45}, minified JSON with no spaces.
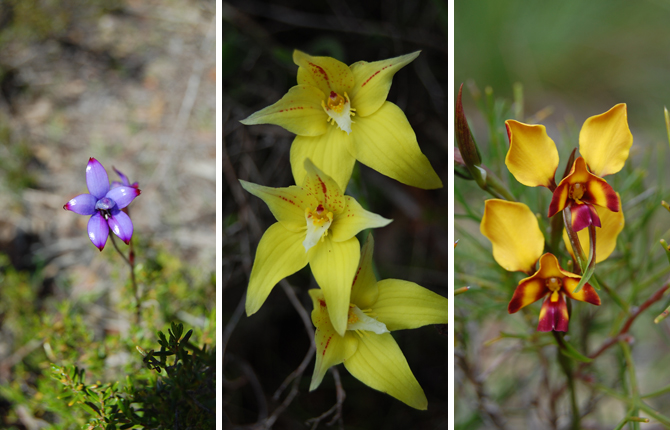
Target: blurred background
{"x":557,"y":64}
{"x":262,"y":350}
{"x":132,"y":84}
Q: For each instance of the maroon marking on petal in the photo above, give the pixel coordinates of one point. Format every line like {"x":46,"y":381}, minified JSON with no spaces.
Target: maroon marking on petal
{"x":558,"y":199}
{"x":319,"y":69}
{"x":356,"y":277}
{"x":509,"y":132}
{"x":595,"y":219}
{"x":554,"y":315}
{"x":327,"y":343}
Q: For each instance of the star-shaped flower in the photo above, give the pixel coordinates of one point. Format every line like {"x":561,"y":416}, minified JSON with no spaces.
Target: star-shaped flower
{"x":317,"y":224}
{"x":104,"y":206}
{"x":367,"y":349}
{"x":604,"y":143}
{"x":378,"y":135}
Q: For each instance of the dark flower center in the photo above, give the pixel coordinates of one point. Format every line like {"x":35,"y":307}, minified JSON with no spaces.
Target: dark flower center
{"x":105,"y":204}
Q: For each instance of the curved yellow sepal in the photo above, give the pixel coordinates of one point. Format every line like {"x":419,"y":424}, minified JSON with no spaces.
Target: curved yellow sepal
{"x":323,"y":188}
{"x":514,"y":233}
{"x":386,"y":142}
{"x":334,"y":266}
{"x":379,"y":363}
{"x":280,"y":253}
{"x":330,"y":152}
{"x":605,"y":141}
{"x":532,"y":156}
{"x":355,"y":219}
{"x":612,"y":224}
{"x":373,"y":82}
{"x":405,"y":305}
{"x":364,"y":291}
{"x":286,"y":204}
{"x":325,"y":73}
{"x":299,"y":112}
{"x":331,"y":348}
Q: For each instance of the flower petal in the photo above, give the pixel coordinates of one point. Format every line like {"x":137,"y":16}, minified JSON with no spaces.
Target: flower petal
{"x":286,"y":204}
{"x":586,"y":294}
{"x":334,"y":265}
{"x":386,"y":142}
{"x":364,"y":291}
{"x":324,"y":188}
{"x":280,"y":253}
{"x":121,"y":224}
{"x":325,"y":73}
{"x":514,"y":233}
{"x":98,"y":230}
{"x":329,"y":151}
{"x":583,"y":216}
{"x":97,"y":180}
{"x":354,"y":220}
{"x":605,"y":141}
{"x":83,"y":204}
{"x":528,"y":291}
{"x":379,"y":363}
{"x":373,"y":82}
{"x":123,"y":195}
{"x":299,"y":112}
{"x":554,"y":314}
{"x":532,"y":157}
{"x":124,"y":179}
{"x":331,"y":348}
{"x":404,"y":305}
{"x":612,"y":224}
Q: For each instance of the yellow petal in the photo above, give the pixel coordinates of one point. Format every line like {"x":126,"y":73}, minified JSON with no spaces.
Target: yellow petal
{"x":280,"y":253}
{"x":325,"y":73}
{"x":323,"y":188}
{"x":373,"y":81}
{"x":334,"y":265}
{"x":353,"y":220}
{"x":386,"y":142}
{"x":514,"y":233}
{"x":532,"y":157}
{"x":331,"y":348}
{"x":364,"y":291}
{"x":605,"y":141}
{"x":286,"y":204}
{"x":299,"y":112}
{"x":379,"y":363}
{"x":611,"y":225}
{"x":404,"y":305}
{"x":329,"y":151}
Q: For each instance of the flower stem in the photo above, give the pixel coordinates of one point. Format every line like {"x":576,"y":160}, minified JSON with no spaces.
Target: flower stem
{"x":130,"y":260}
{"x":566,"y":366}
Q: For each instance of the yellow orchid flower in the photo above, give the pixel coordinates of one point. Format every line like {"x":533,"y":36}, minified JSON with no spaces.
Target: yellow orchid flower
{"x":518,"y":245}
{"x":317,"y":224}
{"x":604,"y":143}
{"x":367,"y":349}
{"x":380,"y":136}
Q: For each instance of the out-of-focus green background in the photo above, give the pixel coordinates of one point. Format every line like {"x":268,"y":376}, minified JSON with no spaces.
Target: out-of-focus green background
{"x":573,"y":59}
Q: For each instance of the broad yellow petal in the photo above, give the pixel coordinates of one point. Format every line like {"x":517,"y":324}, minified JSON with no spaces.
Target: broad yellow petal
{"x":323,"y":188}
{"x":364,"y":291}
{"x":334,"y":266}
{"x":286,"y":204}
{"x":280,"y":253}
{"x":299,"y":112}
{"x":528,"y":291}
{"x":330,"y":152}
{"x":404,"y":305}
{"x":605,"y":141}
{"x":386,"y":142}
{"x":532,"y":157}
{"x":325,"y":73}
{"x":611,"y":225}
{"x":331,"y":348}
{"x":373,"y":82}
{"x":353,"y":220}
{"x":379,"y":363}
{"x":586,"y":294}
{"x":514,"y":233}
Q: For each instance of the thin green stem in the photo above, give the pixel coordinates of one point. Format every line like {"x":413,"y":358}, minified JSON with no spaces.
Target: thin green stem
{"x":130,"y":260}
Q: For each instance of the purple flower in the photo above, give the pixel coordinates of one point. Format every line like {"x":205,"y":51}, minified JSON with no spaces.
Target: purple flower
{"x":104,"y":206}
{"x":124,"y":180}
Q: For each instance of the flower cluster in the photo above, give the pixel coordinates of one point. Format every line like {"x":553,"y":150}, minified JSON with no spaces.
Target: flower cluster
{"x":340,"y":114}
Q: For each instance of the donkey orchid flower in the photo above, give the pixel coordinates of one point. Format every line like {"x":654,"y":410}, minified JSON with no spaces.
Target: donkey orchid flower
{"x":104,"y":206}
{"x":367,"y":349}
{"x":604,"y":143}
{"x":317,"y":224}
{"x":380,"y":137}
{"x":518,"y":245}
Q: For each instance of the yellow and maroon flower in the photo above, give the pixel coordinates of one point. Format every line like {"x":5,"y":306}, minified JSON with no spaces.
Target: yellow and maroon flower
{"x":604,"y":144}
